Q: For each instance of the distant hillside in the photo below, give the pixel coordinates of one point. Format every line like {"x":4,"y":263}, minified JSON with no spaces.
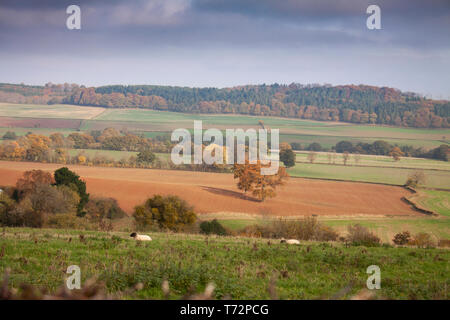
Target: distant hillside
{"x":348,"y":103}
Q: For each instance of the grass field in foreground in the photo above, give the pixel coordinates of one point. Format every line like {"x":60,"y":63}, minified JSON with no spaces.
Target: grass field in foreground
{"x":240,"y":268}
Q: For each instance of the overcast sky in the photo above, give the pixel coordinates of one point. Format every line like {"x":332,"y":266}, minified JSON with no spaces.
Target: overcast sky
{"x":224,"y":43}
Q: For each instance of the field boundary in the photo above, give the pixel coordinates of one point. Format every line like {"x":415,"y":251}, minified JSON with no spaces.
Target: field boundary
{"x":411,"y":200}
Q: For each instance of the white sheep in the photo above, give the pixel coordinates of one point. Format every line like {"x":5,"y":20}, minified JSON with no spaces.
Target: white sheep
{"x":290,"y":241}
{"x":140,"y":237}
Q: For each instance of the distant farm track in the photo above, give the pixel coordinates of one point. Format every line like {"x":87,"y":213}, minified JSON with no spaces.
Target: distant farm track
{"x":215,"y":192}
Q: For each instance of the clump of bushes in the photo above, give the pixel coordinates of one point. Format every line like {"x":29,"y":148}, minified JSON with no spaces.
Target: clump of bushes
{"x":213,"y":227}
{"x":444,"y":243}
{"x":305,"y":229}
{"x":10,"y":135}
{"x":41,"y":200}
{"x":166,"y":212}
{"x":415,"y":179}
{"x":361,"y":236}
{"x":69,"y":221}
{"x":422,"y":240}
{"x":402,"y":238}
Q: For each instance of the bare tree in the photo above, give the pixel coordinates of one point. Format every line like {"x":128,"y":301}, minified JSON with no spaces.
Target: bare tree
{"x":345,"y":157}
{"x":312,"y":156}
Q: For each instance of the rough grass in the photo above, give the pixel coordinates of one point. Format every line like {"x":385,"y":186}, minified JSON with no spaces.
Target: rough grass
{"x":241,"y":268}
{"x":437,"y":201}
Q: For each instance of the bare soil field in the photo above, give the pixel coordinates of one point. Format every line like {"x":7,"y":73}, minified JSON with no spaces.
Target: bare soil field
{"x":217,"y":193}
{"x":39,"y":123}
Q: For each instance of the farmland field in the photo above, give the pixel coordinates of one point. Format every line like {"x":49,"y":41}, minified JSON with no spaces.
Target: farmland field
{"x":394,"y":176}
{"x":240,"y":268}
{"x":375,"y":161}
{"x":216,"y":192}
{"x":60,"y":111}
{"x":162,"y":122}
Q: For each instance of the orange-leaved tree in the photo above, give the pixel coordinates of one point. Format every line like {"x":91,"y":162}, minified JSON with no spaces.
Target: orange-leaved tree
{"x":251,"y":179}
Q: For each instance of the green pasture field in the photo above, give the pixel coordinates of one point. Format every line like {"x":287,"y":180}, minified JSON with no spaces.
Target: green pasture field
{"x":376,"y":161}
{"x":291,"y":130}
{"x":239,"y":268}
{"x":435,"y":200}
{"x":394,"y":176}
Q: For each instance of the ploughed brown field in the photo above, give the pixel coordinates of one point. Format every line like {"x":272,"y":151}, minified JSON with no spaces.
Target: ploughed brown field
{"x":39,"y":123}
{"x":217,"y":192}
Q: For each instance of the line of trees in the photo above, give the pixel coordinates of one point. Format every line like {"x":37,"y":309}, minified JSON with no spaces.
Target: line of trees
{"x":379,"y":147}
{"x":349,"y":103}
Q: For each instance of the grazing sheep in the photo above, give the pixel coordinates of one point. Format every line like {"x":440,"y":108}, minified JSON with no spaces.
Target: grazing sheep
{"x":290,"y":241}
{"x":140,"y":237}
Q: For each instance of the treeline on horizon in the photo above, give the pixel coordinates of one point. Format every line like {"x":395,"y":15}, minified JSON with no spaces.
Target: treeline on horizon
{"x":349,"y":103}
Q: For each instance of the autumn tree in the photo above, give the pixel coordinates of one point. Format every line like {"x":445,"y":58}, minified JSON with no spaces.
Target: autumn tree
{"x":396,"y":153}
{"x":415,"y":179}
{"x":251,"y":179}
{"x":31,"y":180}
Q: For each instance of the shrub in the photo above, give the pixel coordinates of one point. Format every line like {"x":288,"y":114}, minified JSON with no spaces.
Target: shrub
{"x":69,"y":221}
{"x":10,"y":135}
{"x":213,"y":227}
{"x":325,"y":233}
{"x":444,"y":243}
{"x":306,"y":229}
{"x":361,"y":236}
{"x":422,"y":240}
{"x":402,"y":238}
{"x":23,"y":215}
{"x":168,"y":212}
{"x":255,"y":230}
{"x":415,"y":179}
{"x":104,"y":208}
{"x":6,"y":205}
{"x":146,"y":157}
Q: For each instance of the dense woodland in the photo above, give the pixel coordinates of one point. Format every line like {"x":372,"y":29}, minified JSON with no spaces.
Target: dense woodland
{"x":349,"y":103}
